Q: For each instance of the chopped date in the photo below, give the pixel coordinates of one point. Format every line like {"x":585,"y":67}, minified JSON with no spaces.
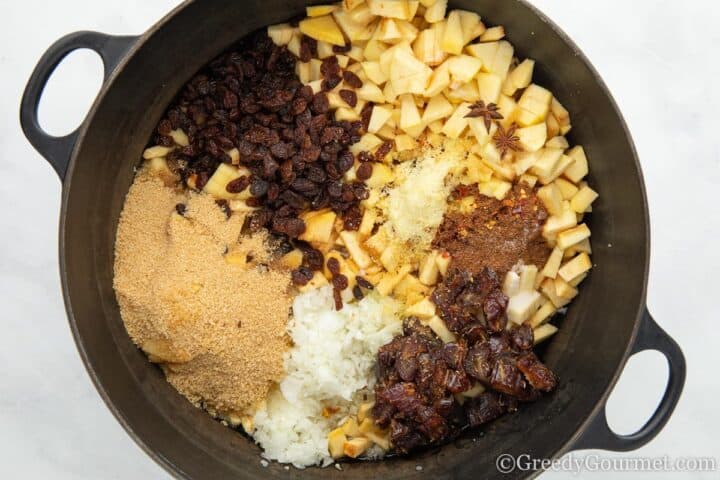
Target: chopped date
{"x":418,"y":375}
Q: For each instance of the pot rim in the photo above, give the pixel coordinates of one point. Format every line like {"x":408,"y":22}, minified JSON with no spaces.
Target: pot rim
{"x":140,"y":41}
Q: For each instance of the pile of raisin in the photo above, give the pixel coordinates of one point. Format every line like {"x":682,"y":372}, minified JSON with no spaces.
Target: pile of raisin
{"x":251,"y":99}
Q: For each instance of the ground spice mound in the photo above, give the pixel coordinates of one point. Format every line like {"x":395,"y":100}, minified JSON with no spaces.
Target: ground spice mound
{"x":495,"y":233}
{"x":216,"y":326}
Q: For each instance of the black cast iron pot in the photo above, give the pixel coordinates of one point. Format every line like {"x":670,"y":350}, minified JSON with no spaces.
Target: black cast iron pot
{"x":606,"y":324}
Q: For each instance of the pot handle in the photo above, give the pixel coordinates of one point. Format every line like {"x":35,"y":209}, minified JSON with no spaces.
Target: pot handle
{"x":599,"y":435}
{"x":57,"y":150}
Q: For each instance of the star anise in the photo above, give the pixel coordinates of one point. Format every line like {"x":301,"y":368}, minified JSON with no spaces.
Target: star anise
{"x":488,"y":112}
{"x":506,"y":139}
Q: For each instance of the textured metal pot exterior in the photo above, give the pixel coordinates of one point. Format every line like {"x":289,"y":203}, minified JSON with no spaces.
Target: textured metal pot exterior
{"x":605,"y":324}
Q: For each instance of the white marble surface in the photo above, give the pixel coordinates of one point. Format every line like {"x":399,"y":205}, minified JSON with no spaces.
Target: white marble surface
{"x":657,"y":58}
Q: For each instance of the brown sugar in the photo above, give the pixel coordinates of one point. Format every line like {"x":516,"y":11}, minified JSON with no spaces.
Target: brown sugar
{"x":199,"y":298}
{"x":495,"y":233}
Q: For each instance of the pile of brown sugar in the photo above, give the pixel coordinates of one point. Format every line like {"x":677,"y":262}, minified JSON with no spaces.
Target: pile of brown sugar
{"x":199,"y":298}
{"x":495,"y":233}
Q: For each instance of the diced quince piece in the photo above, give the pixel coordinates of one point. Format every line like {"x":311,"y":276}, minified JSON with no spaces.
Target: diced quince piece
{"x":224,"y":174}
{"x":435,"y":12}
{"x":390,"y":258}
{"x":352,"y":243}
{"x":292,"y":259}
{"x":534,"y":105}
{"x":522,"y":75}
{"x":323,"y":28}
{"x":567,"y":188}
{"x":374,"y":49}
{"x":547,"y":161}
{"x":532,"y":138}
{"x":477,"y":127}
{"x":377,"y":243}
{"x":368,"y":223}
{"x":547,"y":287}
{"x":351,"y":4}
{"x":405,"y":142}
{"x":319,"y":10}
{"x":557,"y":223}
{"x":543,"y":332}
{"x":407,"y":73}
{"x":579,"y":167}
{"x":563,"y":164}
{"x":456,"y":124}
{"x":364,"y":410}
{"x":293,"y":45}
{"x":336,"y":443}
{"x":379,"y":116}
{"x":443,"y":262}
{"x":390,"y":280}
{"x":158,"y":167}
{"x":374,"y":73}
{"x":368,"y":142}
{"x":324,"y":49}
{"x":381,"y":176}
{"x":477,"y":172}
{"x":463,"y":68}
{"x":409,"y":115}
{"x":508,"y":108}
{"x":355,"y":31}
{"x":582,"y":199}
{"x":351,"y":428}
{"x":511,"y":284}
{"x":522,"y":305}
{"x":156,"y":151}
{"x":564,"y":290}
{"x":438,"y":326}
{"x":493,"y":34}
{"x":348,"y":114}
{"x":559,"y":112}
{"x":410,"y":290}
{"x":318,"y":280}
{"x":542,"y":314}
{"x":390,"y":8}
{"x":281,"y":34}
{"x":471,"y":25}
{"x":408,"y":31}
{"x":381,"y":441}
{"x":429,"y":271}
{"x":572,"y":236}
{"x":318,"y":228}
{"x":425,"y":47}
{"x":452,"y":40}
{"x":467,"y":92}
{"x":388,"y":31}
{"x":437,"y":108}
{"x":553,"y":263}
{"x":303,"y":71}
{"x":422,"y":309}
{"x":528,"y":274}
{"x":575,"y":267}
{"x":558,"y":141}
{"x":552,"y":198}
{"x":489,"y":86}
{"x":439,"y":81}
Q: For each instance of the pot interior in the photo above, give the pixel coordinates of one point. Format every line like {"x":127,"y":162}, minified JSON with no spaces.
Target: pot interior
{"x":587,"y":352}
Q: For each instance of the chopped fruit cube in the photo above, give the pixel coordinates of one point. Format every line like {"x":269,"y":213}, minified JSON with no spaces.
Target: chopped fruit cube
{"x":542,"y":315}
{"x":355,"y":31}
{"x":532,"y":138}
{"x":156,"y":152}
{"x":548,"y":288}
{"x":322,"y":28}
{"x":336,"y":443}
{"x":281,"y":34}
{"x":374,"y":73}
{"x":534,"y":105}
{"x":436,"y":11}
{"x":422,"y":309}
{"x":558,"y":142}
{"x":439,"y":81}
{"x":456,"y":124}
{"x":224,"y":174}
{"x":463,"y":68}
{"x":572,"y":236}
{"x":443,"y":262}
{"x":564,"y":290}
{"x":437,"y":325}
{"x":563,"y":164}
{"x":452,"y":40}
{"x":358,"y":254}
{"x":390,"y":8}
{"x":426,"y":47}
{"x":405,"y":142}
{"x":579,"y":168}
{"x":472,"y":27}
{"x":557,"y":223}
{"x":437,"y":108}
{"x":320,"y":10}
{"x":292,"y":259}
{"x":553,"y":263}
{"x":543,"y":332}
{"x":368,"y":143}
{"x":522,"y":305}
{"x":379,"y":116}
{"x":582,"y":200}
{"x":318,"y":280}
{"x":380,"y":440}
{"x":489,"y":86}
{"x":547,"y":161}
{"x":351,"y":428}
{"x":429,"y":270}
{"x":318,"y":228}
{"x":493,"y":34}
{"x":528,"y":274}
{"x":364,"y":410}
{"x":575,"y":267}
{"x":552,"y":198}
{"x":390,"y":280}
{"x":409,"y":115}
{"x":567,"y":188}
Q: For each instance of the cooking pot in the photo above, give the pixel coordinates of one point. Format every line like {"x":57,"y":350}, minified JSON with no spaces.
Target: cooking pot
{"x":605,"y":324}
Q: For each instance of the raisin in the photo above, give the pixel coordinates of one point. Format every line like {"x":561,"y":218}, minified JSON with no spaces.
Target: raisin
{"x":363,"y":282}
{"x":383,"y":150}
{"x":348,"y":97}
{"x":301,"y":276}
{"x":351,"y":79}
{"x":337,"y":297}
{"x":180,"y":208}
{"x":364,"y":171}
{"x":224,"y":206}
{"x":237,"y":185}
{"x":333,"y":265}
{"x":340,"y":281}
{"x":358,"y":293}
{"x":320,"y":103}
